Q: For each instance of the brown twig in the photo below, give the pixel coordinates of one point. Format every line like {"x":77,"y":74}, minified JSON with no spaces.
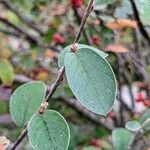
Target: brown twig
{"x":19,"y":140}
{"x":60,"y":77}
{"x":26,"y":20}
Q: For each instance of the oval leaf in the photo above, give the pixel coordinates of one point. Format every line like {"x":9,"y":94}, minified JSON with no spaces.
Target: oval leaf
{"x":6,"y":72}
{"x":121,"y":138}
{"x":80,"y":46}
{"x":26,"y":101}
{"x":49,"y":131}
{"x":91,"y":79}
{"x":133,"y":126}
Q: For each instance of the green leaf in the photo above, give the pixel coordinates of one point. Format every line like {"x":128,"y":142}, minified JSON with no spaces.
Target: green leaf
{"x":91,"y":79}
{"x":91,"y":148}
{"x":145,"y":120}
{"x":104,"y":2}
{"x":145,"y":116}
{"x":143,"y":8}
{"x":26,"y":101}
{"x":6,"y":72}
{"x":121,"y":138}
{"x":133,"y":126}
{"x":80,"y":46}
{"x":49,"y":131}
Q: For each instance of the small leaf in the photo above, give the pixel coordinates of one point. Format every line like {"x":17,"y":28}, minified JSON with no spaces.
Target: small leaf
{"x":145,"y":120}
{"x":80,"y":46}
{"x":121,"y":138}
{"x":133,"y":126}
{"x":49,"y":131}
{"x":91,"y":148}
{"x":91,"y":79}
{"x":26,"y":101}
{"x":6,"y":72}
{"x":145,"y":116}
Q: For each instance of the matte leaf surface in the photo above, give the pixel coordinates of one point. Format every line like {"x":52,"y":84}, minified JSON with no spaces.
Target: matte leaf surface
{"x":121,"y":138}
{"x":80,"y":46}
{"x":91,"y":79}
{"x":49,"y":131}
{"x":26,"y":101}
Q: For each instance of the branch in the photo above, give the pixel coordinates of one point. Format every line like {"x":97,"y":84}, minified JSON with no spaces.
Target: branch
{"x":140,"y":24}
{"x":29,"y":37}
{"x":70,"y":102}
{"x":60,"y":77}
{"x":26,"y":20}
{"x":85,"y":112}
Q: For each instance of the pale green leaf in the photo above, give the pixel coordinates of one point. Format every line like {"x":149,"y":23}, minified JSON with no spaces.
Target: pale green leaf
{"x":6,"y":72}
{"x":121,"y":138}
{"x":91,"y":79}
{"x":145,"y":120}
{"x":80,"y":46}
{"x":26,"y":101}
{"x":133,"y":126}
{"x":145,"y":116}
{"x":49,"y":131}
{"x":91,"y":148}
{"x":144,"y":10}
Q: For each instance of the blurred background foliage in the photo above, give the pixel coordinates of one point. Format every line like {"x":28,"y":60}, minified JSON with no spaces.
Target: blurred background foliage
{"x":33,"y":32}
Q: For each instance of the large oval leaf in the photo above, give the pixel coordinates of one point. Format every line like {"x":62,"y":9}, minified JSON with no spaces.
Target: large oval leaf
{"x":91,"y":79}
{"x":49,"y":131}
{"x":26,"y":101}
{"x":6,"y":72}
{"x":121,"y":138}
{"x":80,"y":46}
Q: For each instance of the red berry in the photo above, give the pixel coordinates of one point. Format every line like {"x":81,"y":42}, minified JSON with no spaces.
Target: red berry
{"x":96,"y":40}
{"x":58,"y":38}
{"x":76,"y":3}
{"x":96,"y":142}
{"x":112,"y":114}
{"x":140,"y":97}
{"x":146,"y":103}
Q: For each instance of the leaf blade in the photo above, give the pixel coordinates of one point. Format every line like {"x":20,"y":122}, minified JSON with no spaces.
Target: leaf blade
{"x":67,"y":50}
{"x":91,"y":79}
{"x":26,"y":101}
{"x":53,"y":128}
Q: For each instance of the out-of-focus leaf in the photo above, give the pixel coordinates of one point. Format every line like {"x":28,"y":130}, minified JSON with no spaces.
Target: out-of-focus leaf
{"x":145,"y":116}
{"x":6,"y":72}
{"x":133,"y":126}
{"x":124,"y":10}
{"x":121,"y":138}
{"x":144,"y":10}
